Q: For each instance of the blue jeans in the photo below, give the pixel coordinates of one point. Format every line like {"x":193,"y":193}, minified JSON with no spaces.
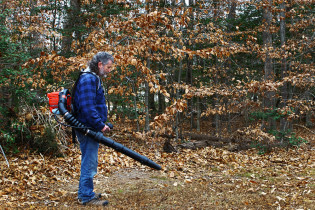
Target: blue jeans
{"x":89,"y":161}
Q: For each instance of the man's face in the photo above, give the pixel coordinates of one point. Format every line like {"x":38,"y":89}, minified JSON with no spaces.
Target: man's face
{"x":104,"y":69}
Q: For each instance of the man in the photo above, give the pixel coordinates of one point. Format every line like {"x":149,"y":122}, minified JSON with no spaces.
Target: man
{"x":90,"y":109}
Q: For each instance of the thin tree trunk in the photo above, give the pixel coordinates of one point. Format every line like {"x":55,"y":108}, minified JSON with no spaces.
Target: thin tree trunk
{"x":198,"y":114}
{"x":192,"y":2}
{"x":216,"y":9}
{"x":135,"y":105}
{"x":161,"y":100}
{"x":309,"y":114}
{"x":177,"y":97}
{"x":34,"y":36}
{"x":73,"y":21}
{"x":152,"y":108}
{"x":268,"y":67}
{"x":284,"y":124}
{"x":190,"y":101}
{"x":146,"y":98}
{"x":231,"y":17}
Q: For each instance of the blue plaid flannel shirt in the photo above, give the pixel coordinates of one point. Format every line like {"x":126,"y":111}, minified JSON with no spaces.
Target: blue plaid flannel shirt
{"x":89,"y":102}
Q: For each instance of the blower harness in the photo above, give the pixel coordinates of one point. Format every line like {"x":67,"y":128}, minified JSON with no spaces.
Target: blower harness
{"x":64,"y":100}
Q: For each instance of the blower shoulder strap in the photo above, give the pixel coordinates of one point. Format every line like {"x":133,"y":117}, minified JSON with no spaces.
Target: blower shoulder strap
{"x":72,"y":101}
{"x":75,"y":87}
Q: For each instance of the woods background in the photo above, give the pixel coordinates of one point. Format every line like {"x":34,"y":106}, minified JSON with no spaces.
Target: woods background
{"x":230,"y":69}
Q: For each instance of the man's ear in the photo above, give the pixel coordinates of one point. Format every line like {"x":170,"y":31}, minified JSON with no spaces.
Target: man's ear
{"x":99,"y":65}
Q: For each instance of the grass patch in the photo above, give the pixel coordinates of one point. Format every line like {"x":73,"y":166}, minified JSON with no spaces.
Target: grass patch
{"x":120,"y":191}
{"x":246,"y":174}
{"x":215,"y":169}
{"x":159,"y":178}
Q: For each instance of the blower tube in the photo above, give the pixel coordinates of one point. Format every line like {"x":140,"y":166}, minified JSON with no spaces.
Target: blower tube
{"x":98,"y":136}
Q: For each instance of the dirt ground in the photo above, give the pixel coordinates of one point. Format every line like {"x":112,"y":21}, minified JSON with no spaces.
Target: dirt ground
{"x":206,"y":178}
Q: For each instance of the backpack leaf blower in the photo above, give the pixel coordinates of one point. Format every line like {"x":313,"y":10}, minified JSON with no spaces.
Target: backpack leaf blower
{"x":64,"y":102}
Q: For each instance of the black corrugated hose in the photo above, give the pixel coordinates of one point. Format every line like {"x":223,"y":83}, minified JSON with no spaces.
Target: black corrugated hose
{"x":98,"y":136}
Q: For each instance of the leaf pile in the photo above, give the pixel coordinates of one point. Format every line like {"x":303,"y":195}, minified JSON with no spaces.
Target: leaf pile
{"x":281,"y":178}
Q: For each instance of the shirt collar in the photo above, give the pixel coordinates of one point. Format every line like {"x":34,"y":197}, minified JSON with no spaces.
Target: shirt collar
{"x":88,"y":70}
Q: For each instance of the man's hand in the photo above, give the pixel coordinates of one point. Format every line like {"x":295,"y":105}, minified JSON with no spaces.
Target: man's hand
{"x":105,"y":129}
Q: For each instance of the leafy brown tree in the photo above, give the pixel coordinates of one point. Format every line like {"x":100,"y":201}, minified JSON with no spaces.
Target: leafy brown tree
{"x":228,"y":61}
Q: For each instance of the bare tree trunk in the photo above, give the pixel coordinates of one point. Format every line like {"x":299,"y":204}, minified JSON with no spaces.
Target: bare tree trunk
{"x":216,"y":103}
{"x":198,"y":114}
{"x":284,"y":124}
{"x":146,"y":98}
{"x":152,"y":102}
{"x":267,"y":40}
{"x":309,"y":113}
{"x":268,"y":67}
{"x":216,"y":9}
{"x":135,"y":104}
{"x":34,"y":36}
{"x":189,"y":101}
{"x":177,"y":97}
{"x":231,"y":17}
{"x":190,"y":63}
{"x":161,"y":100}
{"x":53,"y":23}
{"x":232,"y":14}
{"x":146,"y":101}
{"x":73,"y":21}
{"x":217,"y":117}
{"x":192,"y":2}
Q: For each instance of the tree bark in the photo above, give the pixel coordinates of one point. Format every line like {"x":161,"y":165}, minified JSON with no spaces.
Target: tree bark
{"x":146,"y":96}
{"x":177,"y":97}
{"x":192,"y":2}
{"x":198,"y":114}
{"x":231,"y":15}
{"x":284,"y":124}
{"x":152,"y":102}
{"x":189,"y":82}
{"x":53,"y":23}
{"x":161,"y":100}
{"x":72,"y":22}
{"x":230,"y":18}
{"x":268,"y":67}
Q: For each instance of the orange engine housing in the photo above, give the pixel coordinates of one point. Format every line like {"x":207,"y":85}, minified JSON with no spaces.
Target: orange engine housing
{"x":54,"y":99}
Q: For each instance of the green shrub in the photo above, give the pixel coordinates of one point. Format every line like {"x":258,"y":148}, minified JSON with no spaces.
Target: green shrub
{"x":284,"y":138}
{"x":45,"y":143}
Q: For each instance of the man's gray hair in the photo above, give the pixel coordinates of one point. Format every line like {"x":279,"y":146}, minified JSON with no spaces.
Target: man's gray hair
{"x":103,"y":57}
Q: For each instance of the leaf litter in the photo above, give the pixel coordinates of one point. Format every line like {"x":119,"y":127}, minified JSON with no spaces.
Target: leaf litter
{"x":203,"y":178}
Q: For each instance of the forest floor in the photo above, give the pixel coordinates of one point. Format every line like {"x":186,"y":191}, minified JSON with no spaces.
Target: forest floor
{"x":206,"y":178}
